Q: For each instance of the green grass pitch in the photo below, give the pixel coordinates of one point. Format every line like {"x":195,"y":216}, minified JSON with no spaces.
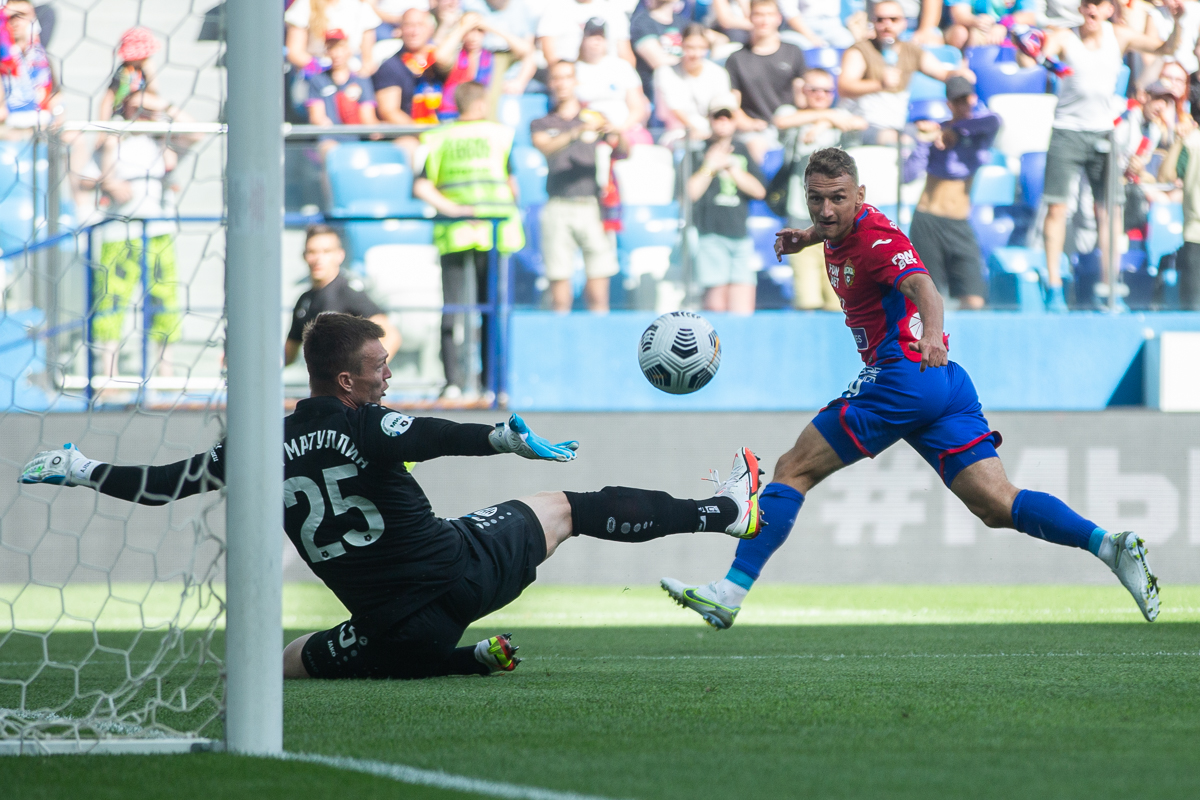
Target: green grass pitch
{"x":825,"y":692}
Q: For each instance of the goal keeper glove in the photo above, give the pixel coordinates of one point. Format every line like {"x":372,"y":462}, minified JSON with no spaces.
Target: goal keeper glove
{"x":65,"y":467}
{"x":514,"y":436}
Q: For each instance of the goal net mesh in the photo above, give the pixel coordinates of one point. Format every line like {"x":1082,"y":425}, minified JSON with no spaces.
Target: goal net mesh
{"x":112,"y":338}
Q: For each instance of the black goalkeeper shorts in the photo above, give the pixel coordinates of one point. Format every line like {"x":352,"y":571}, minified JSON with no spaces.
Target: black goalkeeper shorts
{"x":505,"y":545}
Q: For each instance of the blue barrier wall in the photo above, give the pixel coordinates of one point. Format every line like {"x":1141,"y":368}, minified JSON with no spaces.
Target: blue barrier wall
{"x":780,"y":361}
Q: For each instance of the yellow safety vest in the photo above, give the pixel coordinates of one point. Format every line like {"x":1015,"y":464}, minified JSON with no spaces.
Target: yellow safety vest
{"x":468,"y":163}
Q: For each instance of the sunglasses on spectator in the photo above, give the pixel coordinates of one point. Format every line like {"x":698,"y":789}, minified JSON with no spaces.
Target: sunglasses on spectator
{"x":818,"y":90}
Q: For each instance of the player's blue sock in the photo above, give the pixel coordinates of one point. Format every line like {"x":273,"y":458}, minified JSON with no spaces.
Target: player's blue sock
{"x":1046,"y":517}
{"x":779,"y":505}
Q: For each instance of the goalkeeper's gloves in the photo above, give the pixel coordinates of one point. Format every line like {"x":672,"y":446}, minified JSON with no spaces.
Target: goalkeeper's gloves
{"x":514,"y":436}
{"x":65,"y":467}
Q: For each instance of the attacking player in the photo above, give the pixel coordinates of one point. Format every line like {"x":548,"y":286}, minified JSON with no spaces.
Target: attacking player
{"x":413,"y":582}
{"x":909,"y":389}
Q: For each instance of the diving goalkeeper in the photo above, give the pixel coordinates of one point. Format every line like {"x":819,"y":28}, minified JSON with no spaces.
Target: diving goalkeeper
{"x":412,"y":581}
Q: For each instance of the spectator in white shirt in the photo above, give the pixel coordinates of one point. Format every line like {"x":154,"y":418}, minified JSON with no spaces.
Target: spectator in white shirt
{"x":608,"y":85}
{"x":685,"y":92}
{"x":560,"y":31}
{"x":308,"y":20}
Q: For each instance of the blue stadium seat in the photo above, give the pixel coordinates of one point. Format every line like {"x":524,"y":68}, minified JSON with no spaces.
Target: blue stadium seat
{"x":772,"y":162}
{"x":1033,"y":178}
{"x":528,"y":268}
{"x":1164,"y":231}
{"x":1017,"y":276}
{"x":1008,"y":78}
{"x":851,"y":7}
{"x":945,"y":53}
{"x":371,"y":179}
{"x":518,"y":110}
{"x":993,"y":186}
{"x":1122,"y":81}
{"x":762,"y":231}
{"x":933,"y":109}
{"x":826,"y":58}
{"x":992,"y":230}
{"x":988,"y":54}
{"x":648,"y":226}
{"x":362,"y":236}
{"x":922,"y":87}
{"x":531,"y":172}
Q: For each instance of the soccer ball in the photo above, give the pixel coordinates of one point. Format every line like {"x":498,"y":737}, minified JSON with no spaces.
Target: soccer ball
{"x":680,"y":352}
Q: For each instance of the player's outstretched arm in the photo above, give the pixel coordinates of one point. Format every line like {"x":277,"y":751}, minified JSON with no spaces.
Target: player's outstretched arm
{"x":919,"y":288}
{"x":793,"y":240}
{"x":145,"y":485}
{"x":515,"y":436}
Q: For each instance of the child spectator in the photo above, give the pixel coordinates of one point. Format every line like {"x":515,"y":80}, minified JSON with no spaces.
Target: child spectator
{"x":338,"y":96}
{"x":720,"y":190}
{"x":309,"y":20}
{"x":135,"y":73}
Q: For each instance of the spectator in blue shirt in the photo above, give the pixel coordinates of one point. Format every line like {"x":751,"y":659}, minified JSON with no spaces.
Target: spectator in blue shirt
{"x":976,"y":22}
{"x":950,"y":154}
{"x":338,"y":96}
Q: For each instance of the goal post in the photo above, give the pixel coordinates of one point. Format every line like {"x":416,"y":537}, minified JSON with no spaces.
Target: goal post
{"x":254,"y":447}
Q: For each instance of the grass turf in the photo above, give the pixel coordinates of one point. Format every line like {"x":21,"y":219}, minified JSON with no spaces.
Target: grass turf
{"x":880,"y":692}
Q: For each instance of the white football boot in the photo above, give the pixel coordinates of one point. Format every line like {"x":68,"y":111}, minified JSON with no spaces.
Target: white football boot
{"x":1125,"y":554}
{"x":704,"y":600}
{"x":742,"y":485}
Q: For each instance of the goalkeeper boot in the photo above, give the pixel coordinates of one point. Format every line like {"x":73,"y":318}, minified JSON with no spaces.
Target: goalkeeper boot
{"x":742,"y":485}
{"x":1125,"y":554}
{"x":498,"y":653}
{"x":704,"y":600}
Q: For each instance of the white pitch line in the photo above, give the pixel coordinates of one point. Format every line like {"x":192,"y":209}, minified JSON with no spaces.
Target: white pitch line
{"x":438,"y":779}
{"x":836,"y":656}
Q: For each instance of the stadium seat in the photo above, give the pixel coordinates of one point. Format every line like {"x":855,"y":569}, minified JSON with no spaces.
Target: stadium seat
{"x":371,"y":179}
{"x":945,"y":53}
{"x":647,"y":175}
{"x":1027,"y":119}
{"x":935,"y":110}
{"x":531,"y":172}
{"x":1164,"y":231}
{"x":1017,"y":276}
{"x":826,"y":58}
{"x":1008,"y":78}
{"x":1033,"y":178}
{"x":762,"y":230}
{"x":877,"y":171}
{"x":772,"y":162}
{"x":518,"y":110}
{"x":409,"y":276}
{"x":993,"y":186}
{"x":986,"y":55}
{"x":1122,"y":81}
{"x":923,"y":87}
{"x":992,"y":230}
{"x":362,"y":236}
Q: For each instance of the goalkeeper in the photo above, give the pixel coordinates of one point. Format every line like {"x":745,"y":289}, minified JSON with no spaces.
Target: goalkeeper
{"x":413,"y":582}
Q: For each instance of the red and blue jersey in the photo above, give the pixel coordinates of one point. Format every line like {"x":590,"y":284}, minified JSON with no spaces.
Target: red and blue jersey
{"x":866,"y":269}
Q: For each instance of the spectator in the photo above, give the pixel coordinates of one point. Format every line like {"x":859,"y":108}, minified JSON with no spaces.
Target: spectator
{"x":924,"y":18}
{"x":1160,"y":23}
{"x":732,"y":18}
{"x":977,"y":22}
{"x":685,"y":92}
{"x":447,"y":13}
{"x":876,"y":73}
{"x":332,"y":291}
{"x":466,"y":173}
{"x":132,"y":174}
{"x":30,"y":92}
{"x":816,"y":23}
{"x":761,"y":76}
{"x":338,"y":96}
{"x":609,"y":85}
{"x":1185,"y":162}
{"x":1145,"y":136}
{"x":461,"y":57}
{"x":391,"y":12}
{"x":720,"y":190}
{"x":408,"y":88}
{"x":808,"y":125}
{"x":135,"y":74}
{"x":308,"y":20}
{"x":656,"y":33}
{"x":571,"y":220}
{"x":1082,"y":121}
{"x":560,"y":31}
{"x":513,"y":17}
{"x":950,"y":154}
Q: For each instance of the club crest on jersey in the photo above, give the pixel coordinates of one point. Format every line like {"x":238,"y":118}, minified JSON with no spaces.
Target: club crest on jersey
{"x":848,"y":274}
{"x":905,"y":259}
{"x":394,"y":424}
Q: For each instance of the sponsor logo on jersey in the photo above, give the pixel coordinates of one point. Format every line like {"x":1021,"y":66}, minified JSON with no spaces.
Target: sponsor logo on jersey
{"x":394,"y":424}
{"x":834,"y":274}
{"x":860,"y":338}
{"x":848,"y":274}
{"x":878,"y":242}
{"x":905,"y":259}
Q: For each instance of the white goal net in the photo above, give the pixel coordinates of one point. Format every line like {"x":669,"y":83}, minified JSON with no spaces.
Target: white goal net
{"x":111,"y":338}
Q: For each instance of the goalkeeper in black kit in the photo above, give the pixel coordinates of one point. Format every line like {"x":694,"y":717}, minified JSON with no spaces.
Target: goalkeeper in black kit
{"x":412,"y":581}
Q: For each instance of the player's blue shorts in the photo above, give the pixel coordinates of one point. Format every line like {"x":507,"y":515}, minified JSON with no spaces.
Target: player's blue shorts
{"x":936,"y":411}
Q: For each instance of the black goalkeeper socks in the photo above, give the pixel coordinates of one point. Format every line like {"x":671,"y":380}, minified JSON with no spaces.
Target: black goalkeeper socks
{"x":621,"y":514}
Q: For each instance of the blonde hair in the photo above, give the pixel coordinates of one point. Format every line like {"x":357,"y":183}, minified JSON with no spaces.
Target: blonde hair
{"x":318,"y":20}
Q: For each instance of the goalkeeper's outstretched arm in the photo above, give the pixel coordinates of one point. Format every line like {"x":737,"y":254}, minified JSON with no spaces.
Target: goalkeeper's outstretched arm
{"x":145,"y":485}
